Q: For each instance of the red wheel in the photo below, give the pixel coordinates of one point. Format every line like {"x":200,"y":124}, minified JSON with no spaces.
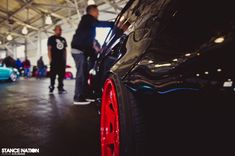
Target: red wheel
{"x":110,"y":128}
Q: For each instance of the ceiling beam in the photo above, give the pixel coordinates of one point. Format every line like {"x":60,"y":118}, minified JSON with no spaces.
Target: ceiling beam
{"x":113,"y":5}
{"x":17,"y":11}
{"x":53,"y":5}
{"x":109,"y":12}
{"x":18,"y":21}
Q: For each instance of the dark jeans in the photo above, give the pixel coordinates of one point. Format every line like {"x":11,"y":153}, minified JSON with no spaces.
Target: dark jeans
{"x":81,"y":76}
{"x":60,"y":71}
{"x":41,"y":72}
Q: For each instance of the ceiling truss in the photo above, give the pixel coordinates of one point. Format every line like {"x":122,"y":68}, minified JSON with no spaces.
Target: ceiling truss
{"x":73,"y":7}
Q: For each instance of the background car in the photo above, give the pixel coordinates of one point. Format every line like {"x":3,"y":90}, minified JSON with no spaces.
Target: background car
{"x":7,"y":73}
{"x":68,"y":72}
{"x":171,"y":92}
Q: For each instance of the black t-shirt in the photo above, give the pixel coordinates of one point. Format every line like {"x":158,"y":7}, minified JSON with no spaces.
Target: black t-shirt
{"x":58,"y":46}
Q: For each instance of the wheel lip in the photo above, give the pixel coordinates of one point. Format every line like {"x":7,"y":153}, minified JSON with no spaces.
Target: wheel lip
{"x":109,"y":86}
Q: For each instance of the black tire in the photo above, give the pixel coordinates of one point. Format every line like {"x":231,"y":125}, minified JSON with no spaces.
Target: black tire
{"x":132,"y":133}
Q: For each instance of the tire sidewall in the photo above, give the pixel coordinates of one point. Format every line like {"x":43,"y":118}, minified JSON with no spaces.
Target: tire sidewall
{"x":127,"y":138}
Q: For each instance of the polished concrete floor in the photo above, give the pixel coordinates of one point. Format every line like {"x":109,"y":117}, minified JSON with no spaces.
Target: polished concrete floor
{"x":30,"y":117}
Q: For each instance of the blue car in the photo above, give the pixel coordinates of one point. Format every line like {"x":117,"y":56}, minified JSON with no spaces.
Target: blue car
{"x":7,"y":73}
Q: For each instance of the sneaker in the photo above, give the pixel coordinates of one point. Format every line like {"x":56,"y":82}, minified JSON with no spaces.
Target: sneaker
{"x":81,"y":101}
{"x":62,"y":91}
{"x":90,"y":100}
{"x":51,"y":89}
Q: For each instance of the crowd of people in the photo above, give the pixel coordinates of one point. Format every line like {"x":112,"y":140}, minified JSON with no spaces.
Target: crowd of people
{"x":25,"y":68}
{"x":84,"y":49}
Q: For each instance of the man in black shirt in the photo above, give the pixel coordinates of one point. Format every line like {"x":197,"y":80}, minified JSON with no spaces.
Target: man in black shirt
{"x":57,"y":58}
{"x":82,"y":48}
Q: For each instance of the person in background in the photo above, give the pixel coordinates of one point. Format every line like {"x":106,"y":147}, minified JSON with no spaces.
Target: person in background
{"x":41,"y":67}
{"x":19,"y":65}
{"x":9,"y":62}
{"x":57,"y":57}
{"x":83,"y":50}
{"x":26,"y":65}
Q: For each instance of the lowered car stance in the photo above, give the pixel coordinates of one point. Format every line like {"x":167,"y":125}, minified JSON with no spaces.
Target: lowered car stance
{"x":7,"y":73}
{"x":166,"y":76}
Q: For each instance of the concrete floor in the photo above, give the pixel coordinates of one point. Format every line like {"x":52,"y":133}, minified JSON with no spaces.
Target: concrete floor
{"x":30,"y":117}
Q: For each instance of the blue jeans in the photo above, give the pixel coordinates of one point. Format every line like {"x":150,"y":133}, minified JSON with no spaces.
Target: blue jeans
{"x":81,"y":76}
{"x":27,"y":72}
{"x":41,"y":72}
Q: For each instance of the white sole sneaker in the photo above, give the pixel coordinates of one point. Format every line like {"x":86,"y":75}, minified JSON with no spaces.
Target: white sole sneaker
{"x":81,"y":103}
{"x":90,"y":100}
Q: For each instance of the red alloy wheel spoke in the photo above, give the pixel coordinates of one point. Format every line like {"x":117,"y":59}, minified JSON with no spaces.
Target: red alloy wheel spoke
{"x":111,"y":115}
{"x":110,"y":145}
{"x":110,"y":139}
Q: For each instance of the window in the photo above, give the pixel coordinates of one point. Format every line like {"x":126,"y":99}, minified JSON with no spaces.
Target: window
{"x":2,"y":55}
{"x":20,"y":51}
{"x":101,"y":34}
{"x":44,"y":46}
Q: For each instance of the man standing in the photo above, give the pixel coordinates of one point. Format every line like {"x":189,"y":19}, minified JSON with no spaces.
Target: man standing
{"x":41,"y":67}
{"x":26,"y":65}
{"x":82,"y":48}
{"x":57,"y":58}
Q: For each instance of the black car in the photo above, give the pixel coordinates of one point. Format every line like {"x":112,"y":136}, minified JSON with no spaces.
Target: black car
{"x":168,"y":80}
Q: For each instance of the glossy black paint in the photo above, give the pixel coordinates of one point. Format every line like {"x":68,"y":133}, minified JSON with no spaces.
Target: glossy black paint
{"x":174,"y":48}
{"x":178,"y":63}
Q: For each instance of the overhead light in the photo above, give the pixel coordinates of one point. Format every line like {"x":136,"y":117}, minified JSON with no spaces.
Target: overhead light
{"x":9,"y":37}
{"x":175,"y":60}
{"x":25,"y":30}
{"x":197,"y":75}
{"x":150,"y":61}
{"x":219,"y":40}
{"x":198,"y":54}
{"x":90,"y":2}
{"x":162,"y":65}
{"x":219,"y":70}
{"x":48,"y":20}
{"x":206,"y":72}
{"x":188,"y":54}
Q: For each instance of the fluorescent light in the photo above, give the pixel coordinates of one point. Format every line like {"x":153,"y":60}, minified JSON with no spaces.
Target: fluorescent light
{"x":162,"y":65}
{"x":197,"y":75}
{"x":48,"y":20}
{"x":219,"y":70}
{"x":175,"y":60}
{"x":206,"y":72}
{"x":90,"y":2}
{"x":9,"y":37}
{"x":219,"y":40}
{"x":25,"y":30}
